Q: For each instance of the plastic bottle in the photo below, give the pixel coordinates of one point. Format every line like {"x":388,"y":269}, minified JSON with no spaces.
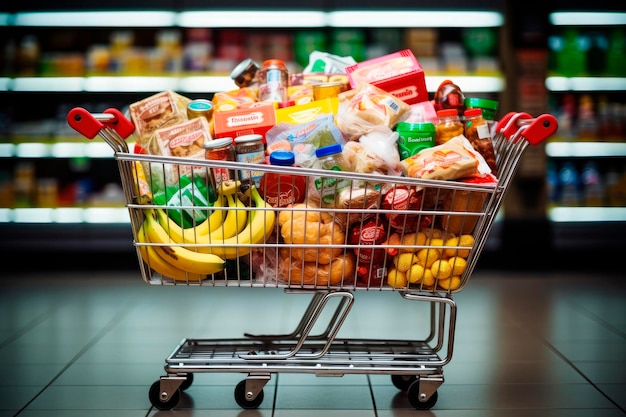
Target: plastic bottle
{"x":330,"y":158}
{"x":273,"y":78}
{"x":282,"y":189}
{"x":448,"y":126}
{"x":413,"y":137}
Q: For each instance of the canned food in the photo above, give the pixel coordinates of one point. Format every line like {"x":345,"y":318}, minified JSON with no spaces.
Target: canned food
{"x":200,"y":108}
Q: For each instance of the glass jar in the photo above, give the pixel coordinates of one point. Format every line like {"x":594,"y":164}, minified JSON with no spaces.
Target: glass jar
{"x":220,"y":150}
{"x":476,"y":130}
{"x":449,"y":125}
{"x":200,"y":108}
{"x":250,"y":149}
{"x":273,"y":78}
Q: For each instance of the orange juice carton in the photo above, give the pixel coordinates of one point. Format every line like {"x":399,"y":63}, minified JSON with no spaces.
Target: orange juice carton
{"x":305,"y":113}
{"x":398,"y":73}
{"x":240,"y":122}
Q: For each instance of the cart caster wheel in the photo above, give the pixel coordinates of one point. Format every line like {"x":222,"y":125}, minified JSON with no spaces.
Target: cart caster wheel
{"x":403,"y":382}
{"x":187,"y":383}
{"x":413,"y":394}
{"x":155,"y":397}
{"x":242,"y":400}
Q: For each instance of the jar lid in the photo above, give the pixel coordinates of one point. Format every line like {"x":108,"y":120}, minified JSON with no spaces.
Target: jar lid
{"x":447,"y":113}
{"x":483,"y":103}
{"x":284,"y":158}
{"x":200,"y":105}
{"x":328,"y":150}
{"x":248,"y":138}
{"x":244,"y":72}
{"x":416,"y":127}
{"x":217,"y":143}
{"x":274,"y":62}
{"x":473,"y":112}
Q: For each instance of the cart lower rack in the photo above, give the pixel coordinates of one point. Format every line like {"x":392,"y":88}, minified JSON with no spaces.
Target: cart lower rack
{"x":418,"y":237}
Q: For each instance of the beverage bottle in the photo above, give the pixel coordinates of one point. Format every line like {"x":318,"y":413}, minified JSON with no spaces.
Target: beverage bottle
{"x":331,"y":158}
{"x":273,"y":78}
{"x":282,"y":189}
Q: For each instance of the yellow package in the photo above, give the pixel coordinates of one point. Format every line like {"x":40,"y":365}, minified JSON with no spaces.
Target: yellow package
{"x":305,"y":113}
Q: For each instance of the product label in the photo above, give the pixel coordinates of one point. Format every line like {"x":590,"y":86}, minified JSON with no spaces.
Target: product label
{"x":251,"y":158}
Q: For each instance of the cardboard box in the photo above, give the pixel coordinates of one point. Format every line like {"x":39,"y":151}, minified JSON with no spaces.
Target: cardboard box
{"x":399,"y":74}
{"x":305,"y":113}
{"x":244,"y":121}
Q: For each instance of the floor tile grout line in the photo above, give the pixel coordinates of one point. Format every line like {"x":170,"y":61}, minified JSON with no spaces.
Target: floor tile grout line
{"x":371,"y":389}
{"x":21,"y":332}
{"x":109,"y":326}
{"x":599,"y":320}
{"x":582,"y":374}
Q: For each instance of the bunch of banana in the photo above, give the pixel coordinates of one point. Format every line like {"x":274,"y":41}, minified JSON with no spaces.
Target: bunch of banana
{"x":194,"y":265}
{"x":258,"y":227}
{"x":157,"y":263}
{"x":225,"y":221}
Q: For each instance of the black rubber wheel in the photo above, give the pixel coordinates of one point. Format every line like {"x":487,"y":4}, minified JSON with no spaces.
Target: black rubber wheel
{"x":155,"y":397}
{"x":413,"y":394}
{"x":403,"y":382}
{"x":186,"y":383}
{"x":240,"y":397}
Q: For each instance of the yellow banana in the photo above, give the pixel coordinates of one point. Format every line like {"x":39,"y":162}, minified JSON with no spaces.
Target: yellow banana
{"x":234,"y":223}
{"x":260,"y":224}
{"x":158,"y":264}
{"x":176,"y":233}
{"x":214,"y":220}
{"x":182,"y":258}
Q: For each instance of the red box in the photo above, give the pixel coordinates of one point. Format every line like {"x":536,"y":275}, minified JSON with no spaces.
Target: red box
{"x":241,"y":122}
{"x":399,"y":74}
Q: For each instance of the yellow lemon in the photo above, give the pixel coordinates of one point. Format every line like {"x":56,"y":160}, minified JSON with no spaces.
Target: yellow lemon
{"x":458,"y":265}
{"x":410,"y":240}
{"x":416,"y":273}
{"x":455,"y":242}
{"x":451,"y":283}
{"x":441,"y":269}
{"x":403,"y":261}
{"x":435,"y":241}
{"x":433,"y":233}
{"x":429,"y":279}
{"x":427,"y":256}
{"x":396,"y":279}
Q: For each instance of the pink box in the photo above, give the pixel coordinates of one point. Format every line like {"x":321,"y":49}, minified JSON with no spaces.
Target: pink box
{"x":399,"y":74}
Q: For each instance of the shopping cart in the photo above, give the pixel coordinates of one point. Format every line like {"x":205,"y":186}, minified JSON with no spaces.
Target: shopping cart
{"x":424,"y":252}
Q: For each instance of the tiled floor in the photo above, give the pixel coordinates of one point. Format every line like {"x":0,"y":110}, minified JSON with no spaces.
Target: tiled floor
{"x":527,"y":344}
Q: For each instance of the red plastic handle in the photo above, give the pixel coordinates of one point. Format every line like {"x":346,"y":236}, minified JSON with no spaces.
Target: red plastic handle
{"x":542,"y":127}
{"x":120,"y":123}
{"x":83,"y":122}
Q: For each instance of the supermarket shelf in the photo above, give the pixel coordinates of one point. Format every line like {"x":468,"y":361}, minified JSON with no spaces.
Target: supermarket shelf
{"x":56,"y":150}
{"x":221,"y":18}
{"x":555,"y":149}
{"x":587,"y":214}
{"x":197,"y":84}
{"x":65,"y":215}
{"x":563,"y":84}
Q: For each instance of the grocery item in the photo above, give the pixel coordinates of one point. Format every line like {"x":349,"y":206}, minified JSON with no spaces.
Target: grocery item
{"x":282,"y":189}
{"x":489,"y":107}
{"x":448,"y":126}
{"x":330,"y":158}
{"x":449,"y":96}
{"x":220,"y":150}
{"x":478,"y":133}
{"x":399,"y":74}
{"x":200,"y":108}
{"x":371,"y":268}
{"x":250,"y":149}
{"x":244,"y":73}
{"x":413,"y":137}
{"x":273,"y":78}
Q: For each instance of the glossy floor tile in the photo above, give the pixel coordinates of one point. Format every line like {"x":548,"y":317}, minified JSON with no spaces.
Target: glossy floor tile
{"x":525,"y":344}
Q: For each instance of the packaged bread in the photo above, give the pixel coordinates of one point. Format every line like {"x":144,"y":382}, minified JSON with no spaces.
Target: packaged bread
{"x":155,"y":112}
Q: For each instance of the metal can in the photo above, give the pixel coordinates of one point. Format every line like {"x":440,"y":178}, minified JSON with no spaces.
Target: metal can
{"x":220,"y":150}
{"x":200,"y":108}
{"x":250,"y":149}
{"x":413,"y":137}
